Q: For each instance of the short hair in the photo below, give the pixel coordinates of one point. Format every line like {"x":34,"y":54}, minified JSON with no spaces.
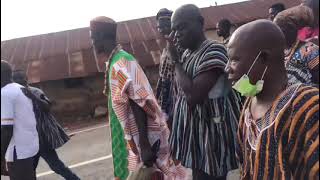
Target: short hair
{"x":18,"y":73}
{"x":225,"y":23}
{"x":278,"y":6}
{"x":6,"y":69}
{"x":163,"y":12}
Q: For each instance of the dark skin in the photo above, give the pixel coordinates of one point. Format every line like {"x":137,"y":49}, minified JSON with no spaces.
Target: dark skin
{"x":242,"y":50}
{"x":6,"y":135}
{"x":273,"y":13}
{"x":6,"y":130}
{"x":222,"y":31}
{"x":164,"y":27}
{"x":188,"y":33}
{"x":103,"y":47}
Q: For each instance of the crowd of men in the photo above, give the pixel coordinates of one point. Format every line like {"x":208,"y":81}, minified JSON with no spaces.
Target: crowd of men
{"x":250,"y":102}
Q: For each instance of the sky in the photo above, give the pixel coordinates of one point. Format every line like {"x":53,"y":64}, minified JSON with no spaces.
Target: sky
{"x":21,"y":18}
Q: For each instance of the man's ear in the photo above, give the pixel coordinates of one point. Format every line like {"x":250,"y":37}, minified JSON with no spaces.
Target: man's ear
{"x":265,"y":55}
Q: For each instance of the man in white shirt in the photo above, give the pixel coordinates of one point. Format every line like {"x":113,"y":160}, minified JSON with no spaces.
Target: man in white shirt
{"x":19,"y":137}
{"x":51,"y":134}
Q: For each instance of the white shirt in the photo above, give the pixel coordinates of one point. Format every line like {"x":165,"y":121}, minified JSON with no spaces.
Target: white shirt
{"x":17,"y":110}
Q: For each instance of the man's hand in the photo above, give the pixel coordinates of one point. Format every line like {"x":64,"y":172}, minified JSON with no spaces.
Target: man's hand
{"x":148,"y":156}
{"x":4,"y":169}
{"x":172,"y":48}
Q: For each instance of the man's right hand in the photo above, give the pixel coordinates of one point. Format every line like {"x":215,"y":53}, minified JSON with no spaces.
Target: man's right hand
{"x":4,"y":169}
{"x":148,"y":156}
{"x":172,"y":47}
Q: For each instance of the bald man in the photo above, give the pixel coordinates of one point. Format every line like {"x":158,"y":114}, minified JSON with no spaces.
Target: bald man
{"x":207,"y":109}
{"x":138,"y":128}
{"x":278,"y":129}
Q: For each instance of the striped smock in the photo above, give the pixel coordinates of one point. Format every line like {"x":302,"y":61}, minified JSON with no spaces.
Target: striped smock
{"x":284,"y":144}
{"x":203,"y":137}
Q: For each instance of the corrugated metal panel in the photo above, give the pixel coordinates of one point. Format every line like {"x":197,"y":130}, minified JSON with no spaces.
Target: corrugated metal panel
{"x":69,"y":54}
{"x":54,"y":68}
{"x":33,"y":48}
{"x":7,"y":48}
{"x":33,"y":71}
{"x":89,"y":61}
{"x":47,"y":49}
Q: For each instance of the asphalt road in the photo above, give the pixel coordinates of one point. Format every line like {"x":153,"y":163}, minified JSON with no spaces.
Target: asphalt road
{"x":88,"y":154}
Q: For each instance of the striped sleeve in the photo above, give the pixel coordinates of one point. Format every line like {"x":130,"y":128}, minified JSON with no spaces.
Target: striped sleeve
{"x":7,"y":109}
{"x":311,"y":55}
{"x":240,"y":146}
{"x":304,"y":156}
{"x":214,"y":56}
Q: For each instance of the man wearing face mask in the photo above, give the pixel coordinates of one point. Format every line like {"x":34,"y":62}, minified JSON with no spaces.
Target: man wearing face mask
{"x":278,"y":129}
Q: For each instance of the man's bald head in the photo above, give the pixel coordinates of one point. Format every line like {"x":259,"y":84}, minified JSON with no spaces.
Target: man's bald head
{"x":248,"y":41}
{"x":187,"y":23}
{"x":258,"y":35}
{"x":188,"y":11}
{"x":103,"y":32}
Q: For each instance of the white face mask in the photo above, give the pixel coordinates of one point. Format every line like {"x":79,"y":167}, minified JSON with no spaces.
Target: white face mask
{"x":243,"y":85}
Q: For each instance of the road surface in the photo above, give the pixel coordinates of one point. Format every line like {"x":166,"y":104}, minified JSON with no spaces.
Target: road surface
{"x":88,"y":154}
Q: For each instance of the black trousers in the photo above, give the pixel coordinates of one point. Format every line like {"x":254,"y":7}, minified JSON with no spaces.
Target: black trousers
{"x":21,"y":169}
{"x":200,"y":175}
{"x":52,"y":159}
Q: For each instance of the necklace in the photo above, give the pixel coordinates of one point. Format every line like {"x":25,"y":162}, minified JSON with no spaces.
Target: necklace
{"x":292,"y":51}
{"x":106,"y":74}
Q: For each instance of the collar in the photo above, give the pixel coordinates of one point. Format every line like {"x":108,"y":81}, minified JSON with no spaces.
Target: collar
{"x":114,"y":52}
